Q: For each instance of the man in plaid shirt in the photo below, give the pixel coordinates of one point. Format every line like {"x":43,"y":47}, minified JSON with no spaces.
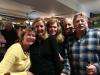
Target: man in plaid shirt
{"x":83,"y":49}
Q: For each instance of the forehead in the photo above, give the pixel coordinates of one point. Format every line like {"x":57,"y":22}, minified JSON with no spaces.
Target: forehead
{"x":30,"y":32}
{"x":79,"y":17}
{"x":68,"y":21}
{"x":39,"y":23}
{"x":53,"y":24}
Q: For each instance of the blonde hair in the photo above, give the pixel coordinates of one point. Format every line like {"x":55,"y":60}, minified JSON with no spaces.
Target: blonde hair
{"x":60,"y":38}
{"x":59,"y":35}
{"x":37,"y":20}
{"x":41,"y":19}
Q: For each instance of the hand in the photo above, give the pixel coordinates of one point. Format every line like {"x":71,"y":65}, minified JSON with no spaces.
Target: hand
{"x":91,"y":69}
{"x":63,"y":74}
{"x":30,"y":73}
{"x":61,"y":58}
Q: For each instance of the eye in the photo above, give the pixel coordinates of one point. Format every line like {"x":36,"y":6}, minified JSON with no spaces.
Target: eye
{"x":82,"y":20}
{"x":69,"y":24}
{"x":33,"y":34}
{"x":77,"y":21}
{"x":37,"y":26}
{"x":41,"y":26}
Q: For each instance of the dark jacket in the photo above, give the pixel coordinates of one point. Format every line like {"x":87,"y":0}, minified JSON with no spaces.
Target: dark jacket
{"x":44,"y":57}
{"x":10,"y":36}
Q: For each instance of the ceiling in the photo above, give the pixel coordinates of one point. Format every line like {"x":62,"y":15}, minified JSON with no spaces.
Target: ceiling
{"x":85,"y":1}
{"x":54,"y":6}
{"x":49,"y":7}
{"x":91,"y":5}
{"x":36,"y":8}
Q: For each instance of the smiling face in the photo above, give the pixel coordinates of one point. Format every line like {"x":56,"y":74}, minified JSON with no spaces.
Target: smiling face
{"x":29,"y":38}
{"x":39,"y":27}
{"x":80,"y":23}
{"x":52,"y":29}
{"x":68,"y":25}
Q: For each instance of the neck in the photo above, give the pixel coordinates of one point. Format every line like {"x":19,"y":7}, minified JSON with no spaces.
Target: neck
{"x":79,"y":34}
{"x":24,"y":47}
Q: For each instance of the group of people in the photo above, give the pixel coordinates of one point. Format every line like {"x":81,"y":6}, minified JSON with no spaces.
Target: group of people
{"x":69,"y":48}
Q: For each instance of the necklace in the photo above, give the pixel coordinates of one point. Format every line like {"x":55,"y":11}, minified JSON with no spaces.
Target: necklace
{"x":25,"y":49}
{"x":27,"y":53}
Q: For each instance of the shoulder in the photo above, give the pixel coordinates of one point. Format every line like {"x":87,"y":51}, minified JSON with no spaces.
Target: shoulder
{"x":93,"y":32}
{"x":15,"y":45}
{"x":14,"y":48}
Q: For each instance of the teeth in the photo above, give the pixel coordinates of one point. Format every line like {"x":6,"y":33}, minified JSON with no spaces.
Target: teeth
{"x":82,"y":25}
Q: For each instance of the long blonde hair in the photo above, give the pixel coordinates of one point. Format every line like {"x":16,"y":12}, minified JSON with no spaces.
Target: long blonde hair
{"x":59,"y":35}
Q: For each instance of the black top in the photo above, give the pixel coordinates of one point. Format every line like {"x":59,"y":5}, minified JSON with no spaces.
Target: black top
{"x":44,"y":57}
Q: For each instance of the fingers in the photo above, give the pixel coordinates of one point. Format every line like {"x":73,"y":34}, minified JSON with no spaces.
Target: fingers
{"x":91,"y":69}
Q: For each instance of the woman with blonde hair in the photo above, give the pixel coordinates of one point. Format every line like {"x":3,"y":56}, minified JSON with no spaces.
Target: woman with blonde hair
{"x":54,"y":29}
{"x":16,"y":60}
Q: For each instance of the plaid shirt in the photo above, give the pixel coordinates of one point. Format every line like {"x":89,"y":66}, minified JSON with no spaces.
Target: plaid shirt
{"x":84,"y":51}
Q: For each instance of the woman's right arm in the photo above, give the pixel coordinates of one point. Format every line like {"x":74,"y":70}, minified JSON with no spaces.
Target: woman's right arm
{"x":7,"y":62}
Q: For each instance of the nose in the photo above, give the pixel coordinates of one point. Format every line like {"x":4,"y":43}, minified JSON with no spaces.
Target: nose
{"x":52,"y":28}
{"x":80,"y":22}
{"x":69,"y":26}
{"x":39,"y":28}
{"x":31,"y":36}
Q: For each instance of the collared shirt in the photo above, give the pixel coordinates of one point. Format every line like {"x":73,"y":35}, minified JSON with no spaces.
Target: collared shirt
{"x":84,"y":51}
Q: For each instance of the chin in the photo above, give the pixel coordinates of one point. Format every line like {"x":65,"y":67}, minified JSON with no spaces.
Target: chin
{"x":40,"y":34}
{"x":30,"y":43}
{"x":82,"y":29}
{"x":53,"y":34}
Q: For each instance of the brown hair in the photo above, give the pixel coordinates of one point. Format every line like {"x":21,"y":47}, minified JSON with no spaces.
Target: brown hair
{"x":27,"y":30}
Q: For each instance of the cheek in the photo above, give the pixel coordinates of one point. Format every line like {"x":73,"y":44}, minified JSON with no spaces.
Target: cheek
{"x":34,"y":38}
{"x":54,"y":30}
{"x":24,"y":41}
{"x":86,"y":24}
{"x":43,"y":29}
{"x":35,"y":29}
{"x":50,"y":29}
